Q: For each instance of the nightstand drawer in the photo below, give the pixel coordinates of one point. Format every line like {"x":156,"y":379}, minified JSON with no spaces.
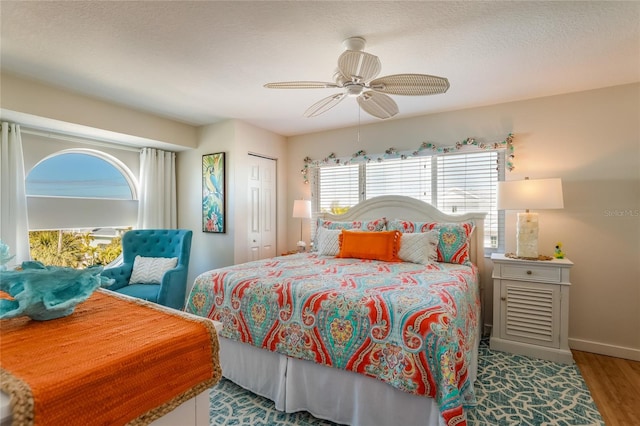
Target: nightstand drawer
{"x":550,"y":274}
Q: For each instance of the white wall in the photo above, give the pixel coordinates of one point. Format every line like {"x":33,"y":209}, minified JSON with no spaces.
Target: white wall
{"x":589,"y":139}
{"x":45,"y":107}
{"x":237,"y":139}
{"x":208,"y":250}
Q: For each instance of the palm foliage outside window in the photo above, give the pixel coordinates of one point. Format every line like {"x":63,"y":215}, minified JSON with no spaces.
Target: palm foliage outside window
{"x":75,"y":249}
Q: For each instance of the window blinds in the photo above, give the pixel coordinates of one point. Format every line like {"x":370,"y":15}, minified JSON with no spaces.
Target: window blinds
{"x":454,"y":183}
{"x":410,"y":177}
{"x":468,"y":183}
{"x":338,"y":188}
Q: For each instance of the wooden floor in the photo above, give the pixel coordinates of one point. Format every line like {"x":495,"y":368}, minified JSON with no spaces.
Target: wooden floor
{"x":614,"y":384}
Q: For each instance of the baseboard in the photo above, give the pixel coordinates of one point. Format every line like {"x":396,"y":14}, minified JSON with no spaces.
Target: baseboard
{"x":591,"y":346}
{"x":605,"y":349}
{"x":534,"y":351}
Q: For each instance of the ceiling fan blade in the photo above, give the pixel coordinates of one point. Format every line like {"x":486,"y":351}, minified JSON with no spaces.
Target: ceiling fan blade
{"x":358,"y":65}
{"x":324,"y":105}
{"x":410,"y":84}
{"x":378,"y":105}
{"x":301,"y":85}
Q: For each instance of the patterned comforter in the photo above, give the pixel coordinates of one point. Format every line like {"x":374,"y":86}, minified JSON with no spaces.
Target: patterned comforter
{"x":408,"y":325}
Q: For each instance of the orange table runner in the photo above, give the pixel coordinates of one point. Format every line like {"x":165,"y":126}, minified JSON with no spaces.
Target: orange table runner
{"x":114,"y":361}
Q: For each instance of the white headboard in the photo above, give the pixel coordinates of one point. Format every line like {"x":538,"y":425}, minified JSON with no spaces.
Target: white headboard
{"x":401,"y":207}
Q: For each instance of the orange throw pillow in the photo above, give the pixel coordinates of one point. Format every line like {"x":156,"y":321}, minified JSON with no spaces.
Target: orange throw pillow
{"x":370,"y":245}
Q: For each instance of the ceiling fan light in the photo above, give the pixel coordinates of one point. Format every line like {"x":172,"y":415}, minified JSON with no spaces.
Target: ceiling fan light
{"x":354,"y":90}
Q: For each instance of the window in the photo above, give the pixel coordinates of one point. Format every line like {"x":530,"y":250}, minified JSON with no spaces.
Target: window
{"x":454,"y":183}
{"x":80,"y":188}
{"x":338,"y":188}
{"x":80,"y":175}
{"x":410,"y":177}
{"x":468,"y":183}
{"x":79,"y":202}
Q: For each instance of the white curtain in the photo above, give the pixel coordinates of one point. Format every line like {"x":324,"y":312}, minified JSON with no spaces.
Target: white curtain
{"x":14,"y":226}
{"x":157,"y":198}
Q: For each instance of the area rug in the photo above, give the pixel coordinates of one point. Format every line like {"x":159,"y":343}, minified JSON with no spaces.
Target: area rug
{"x":510,"y":390}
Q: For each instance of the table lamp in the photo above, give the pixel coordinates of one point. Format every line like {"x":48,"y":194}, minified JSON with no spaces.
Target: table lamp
{"x":301,"y":210}
{"x":528,"y":194}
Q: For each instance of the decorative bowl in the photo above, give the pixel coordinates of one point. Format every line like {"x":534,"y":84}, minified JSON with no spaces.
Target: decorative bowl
{"x":46,"y":292}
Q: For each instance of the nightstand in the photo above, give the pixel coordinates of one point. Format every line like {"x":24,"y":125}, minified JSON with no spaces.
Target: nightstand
{"x":531,"y":307}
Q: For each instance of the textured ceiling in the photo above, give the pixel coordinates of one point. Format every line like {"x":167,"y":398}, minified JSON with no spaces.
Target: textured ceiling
{"x":205,"y":61}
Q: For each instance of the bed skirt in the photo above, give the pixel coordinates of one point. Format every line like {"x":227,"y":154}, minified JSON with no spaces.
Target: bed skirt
{"x":328,"y":393}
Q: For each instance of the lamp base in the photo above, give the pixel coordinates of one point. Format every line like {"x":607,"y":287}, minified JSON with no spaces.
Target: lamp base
{"x":527,"y":235}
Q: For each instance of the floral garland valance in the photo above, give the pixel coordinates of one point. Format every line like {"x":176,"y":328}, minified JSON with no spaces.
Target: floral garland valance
{"x":426,"y":149}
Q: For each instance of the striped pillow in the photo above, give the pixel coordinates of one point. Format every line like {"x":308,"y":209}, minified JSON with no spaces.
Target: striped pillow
{"x":421,"y":247}
{"x":150,"y":270}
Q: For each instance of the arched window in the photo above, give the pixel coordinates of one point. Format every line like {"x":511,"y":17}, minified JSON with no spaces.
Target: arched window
{"x":87,"y":198}
{"x":80,"y":174}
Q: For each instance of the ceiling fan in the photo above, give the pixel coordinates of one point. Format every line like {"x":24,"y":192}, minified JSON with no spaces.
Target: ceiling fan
{"x":356,"y":74}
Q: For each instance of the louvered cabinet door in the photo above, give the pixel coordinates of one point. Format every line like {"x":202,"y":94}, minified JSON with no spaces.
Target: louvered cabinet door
{"x":531,"y":307}
{"x":530,"y":312}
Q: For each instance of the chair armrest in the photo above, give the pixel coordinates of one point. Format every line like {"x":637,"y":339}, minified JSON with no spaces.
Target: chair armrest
{"x":120,"y":274}
{"x":173,"y":287}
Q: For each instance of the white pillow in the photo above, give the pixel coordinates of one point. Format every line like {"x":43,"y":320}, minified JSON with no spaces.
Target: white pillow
{"x":328,"y":241}
{"x":419,"y":247}
{"x":149,"y":270}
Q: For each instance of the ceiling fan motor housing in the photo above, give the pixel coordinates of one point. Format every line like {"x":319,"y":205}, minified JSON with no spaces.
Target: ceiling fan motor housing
{"x":353,"y":89}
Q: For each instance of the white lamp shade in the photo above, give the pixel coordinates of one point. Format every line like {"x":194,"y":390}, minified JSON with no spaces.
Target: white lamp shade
{"x":302,"y":209}
{"x":530,"y":194}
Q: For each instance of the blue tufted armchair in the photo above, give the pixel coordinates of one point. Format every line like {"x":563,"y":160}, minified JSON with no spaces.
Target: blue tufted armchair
{"x":154,"y":243}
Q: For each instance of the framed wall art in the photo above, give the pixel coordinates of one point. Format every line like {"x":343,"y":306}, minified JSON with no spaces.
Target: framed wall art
{"x":213,"y":193}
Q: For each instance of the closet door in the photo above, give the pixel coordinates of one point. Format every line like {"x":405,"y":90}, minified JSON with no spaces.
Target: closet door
{"x":262,"y":207}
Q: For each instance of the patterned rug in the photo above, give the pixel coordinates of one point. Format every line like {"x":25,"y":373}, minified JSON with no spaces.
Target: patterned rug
{"x":511,"y":390}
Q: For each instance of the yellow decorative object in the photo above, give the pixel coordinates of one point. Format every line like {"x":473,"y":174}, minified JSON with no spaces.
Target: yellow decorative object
{"x":558,"y":253}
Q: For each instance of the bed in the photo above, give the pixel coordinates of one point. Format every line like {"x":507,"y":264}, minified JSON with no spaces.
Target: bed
{"x":355,"y":339}
{"x":115,"y":360}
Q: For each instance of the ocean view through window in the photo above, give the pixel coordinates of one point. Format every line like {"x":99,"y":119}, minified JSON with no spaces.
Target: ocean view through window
{"x":80,"y":202}
{"x":77,"y":174}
